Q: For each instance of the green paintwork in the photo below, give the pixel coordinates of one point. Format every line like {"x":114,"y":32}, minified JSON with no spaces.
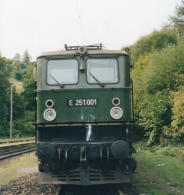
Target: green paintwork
{"x":83,"y":90}
{"x":98,"y":113}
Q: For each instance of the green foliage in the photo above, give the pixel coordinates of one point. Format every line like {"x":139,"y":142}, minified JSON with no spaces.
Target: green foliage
{"x":168,"y":152}
{"x":177,"y":125}
{"x":163,"y":69}
{"x":26,"y":59}
{"x":158,"y":73}
{"x":23,"y":126}
{"x":29,"y":87}
{"x":19,"y":67}
{"x":178,"y":19}
{"x":155,"y":41}
{"x":4,"y":87}
{"x":153,"y":113}
{"x":23,"y":104}
{"x":18,"y":106}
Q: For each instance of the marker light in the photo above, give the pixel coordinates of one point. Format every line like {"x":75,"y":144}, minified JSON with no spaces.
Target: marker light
{"x":49,"y":114}
{"x":49,"y":103}
{"x":116,"y":112}
{"x":116,"y":101}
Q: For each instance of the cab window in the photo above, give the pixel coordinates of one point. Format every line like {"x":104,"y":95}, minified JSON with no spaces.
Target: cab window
{"x":102,"y":70}
{"x":62,"y":72}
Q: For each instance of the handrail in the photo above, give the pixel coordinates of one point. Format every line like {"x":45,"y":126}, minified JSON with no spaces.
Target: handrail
{"x":132,"y":99}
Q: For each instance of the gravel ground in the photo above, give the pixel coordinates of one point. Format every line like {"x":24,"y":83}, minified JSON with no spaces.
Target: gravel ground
{"x":28,"y":185}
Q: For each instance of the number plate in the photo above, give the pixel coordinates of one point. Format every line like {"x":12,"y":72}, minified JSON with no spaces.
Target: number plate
{"x":82,"y":102}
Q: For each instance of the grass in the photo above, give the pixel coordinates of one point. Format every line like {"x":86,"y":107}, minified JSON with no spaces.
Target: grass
{"x":160,"y":170}
{"x":16,"y":167}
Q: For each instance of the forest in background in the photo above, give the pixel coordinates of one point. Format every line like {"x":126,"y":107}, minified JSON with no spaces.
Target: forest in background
{"x":17,"y":71}
{"x":157,"y":73}
{"x":158,"y":77}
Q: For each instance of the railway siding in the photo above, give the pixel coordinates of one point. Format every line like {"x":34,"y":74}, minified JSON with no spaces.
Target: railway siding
{"x":14,"y":143}
{"x":13,"y":149}
{"x":16,"y":140}
{"x":15,"y":146}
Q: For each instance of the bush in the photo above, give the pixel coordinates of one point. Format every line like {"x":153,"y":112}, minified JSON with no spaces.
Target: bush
{"x":154,"y":114}
{"x":158,"y":77}
{"x":155,"y":41}
{"x":177,"y":125}
{"x":23,"y":128}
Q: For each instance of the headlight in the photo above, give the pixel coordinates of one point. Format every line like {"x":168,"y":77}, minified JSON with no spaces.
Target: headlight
{"x":116,"y":112}
{"x":49,"y":114}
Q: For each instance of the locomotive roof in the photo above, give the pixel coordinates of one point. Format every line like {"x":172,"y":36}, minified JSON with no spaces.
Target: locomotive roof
{"x":74,"y":52}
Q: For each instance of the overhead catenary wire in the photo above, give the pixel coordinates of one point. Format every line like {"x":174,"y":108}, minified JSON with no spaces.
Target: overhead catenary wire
{"x":81,"y":32}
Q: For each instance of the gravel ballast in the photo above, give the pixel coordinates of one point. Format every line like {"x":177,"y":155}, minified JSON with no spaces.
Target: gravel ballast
{"x":28,"y":185}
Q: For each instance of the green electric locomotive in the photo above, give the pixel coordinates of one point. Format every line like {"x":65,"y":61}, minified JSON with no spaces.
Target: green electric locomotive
{"x":84,"y":112}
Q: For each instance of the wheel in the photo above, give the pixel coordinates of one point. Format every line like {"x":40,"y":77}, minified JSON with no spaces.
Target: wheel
{"x":132,"y":164}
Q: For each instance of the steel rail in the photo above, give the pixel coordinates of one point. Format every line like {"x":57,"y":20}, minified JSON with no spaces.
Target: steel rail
{"x":16,"y":152}
{"x":90,"y":190}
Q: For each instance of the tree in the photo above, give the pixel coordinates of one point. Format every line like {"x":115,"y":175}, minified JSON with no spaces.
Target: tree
{"x":158,"y":73}
{"x":26,"y":58}
{"x":23,"y":104}
{"x":4,"y":97}
{"x":20,"y":66}
{"x":29,"y":103}
{"x":29,"y":87}
{"x":17,"y":57}
{"x":154,"y":41}
{"x":178,"y":19}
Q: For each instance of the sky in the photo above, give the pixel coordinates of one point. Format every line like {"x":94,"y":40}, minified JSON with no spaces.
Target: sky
{"x":46,"y":25}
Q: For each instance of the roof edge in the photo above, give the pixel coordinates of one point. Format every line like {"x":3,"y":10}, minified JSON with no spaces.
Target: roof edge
{"x":75,"y":52}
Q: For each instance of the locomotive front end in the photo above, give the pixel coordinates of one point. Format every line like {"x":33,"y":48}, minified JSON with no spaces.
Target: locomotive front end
{"x":84,"y":114}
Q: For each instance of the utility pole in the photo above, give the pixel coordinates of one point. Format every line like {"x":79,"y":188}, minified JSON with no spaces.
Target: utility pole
{"x":11,"y":109}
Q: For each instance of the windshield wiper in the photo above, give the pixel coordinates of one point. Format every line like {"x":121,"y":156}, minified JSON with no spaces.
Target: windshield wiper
{"x":101,"y":84}
{"x":60,"y":84}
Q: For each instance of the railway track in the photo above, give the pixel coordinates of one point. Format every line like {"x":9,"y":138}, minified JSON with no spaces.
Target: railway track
{"x":95,"y":190}
{"x":16,"y":152}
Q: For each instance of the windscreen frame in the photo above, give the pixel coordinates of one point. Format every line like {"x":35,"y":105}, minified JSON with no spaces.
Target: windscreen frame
{"x":103,"y":58}
{"x":63,"y":83}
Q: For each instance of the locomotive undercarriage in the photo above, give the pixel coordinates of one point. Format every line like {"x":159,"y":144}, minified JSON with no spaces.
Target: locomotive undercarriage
{"x":85,"y":175}
{"x":85,"y":162}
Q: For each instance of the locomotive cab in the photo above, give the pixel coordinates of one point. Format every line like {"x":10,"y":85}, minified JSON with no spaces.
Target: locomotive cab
{"x":84,"y":113}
